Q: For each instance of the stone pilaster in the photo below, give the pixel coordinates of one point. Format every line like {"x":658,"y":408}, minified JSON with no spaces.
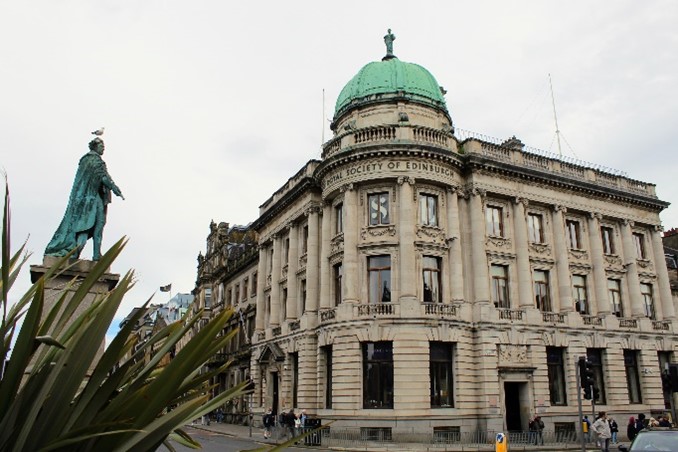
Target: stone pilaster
{"x":481,"y":291}
{"x":456,"y":289}
{"x":522,"y":253}
{"x":562,"y":258}
{"x":312,"y":263}
{"x":292,"y":310}
{"x":325,"y":271}
{"x":408,"y":280}
{"x":632,"y":281}
{"x":351,"y":278}
{"x":599,"y":280}
{"x":261,"y":284}
{"x":276,"y":271}
{"x":664,"y":295}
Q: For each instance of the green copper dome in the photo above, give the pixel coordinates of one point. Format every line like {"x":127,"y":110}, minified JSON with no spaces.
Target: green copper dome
{"x":391,"y":76}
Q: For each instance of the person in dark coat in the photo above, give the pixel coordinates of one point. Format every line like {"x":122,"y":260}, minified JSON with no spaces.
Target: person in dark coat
{"x":631,"y":428}
{"x":614,"y":429}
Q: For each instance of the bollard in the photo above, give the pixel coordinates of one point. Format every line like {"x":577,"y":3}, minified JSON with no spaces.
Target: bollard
{"x":501,"y":443}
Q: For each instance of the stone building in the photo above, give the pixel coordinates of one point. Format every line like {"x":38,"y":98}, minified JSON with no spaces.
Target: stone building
{"x":421,"y":277}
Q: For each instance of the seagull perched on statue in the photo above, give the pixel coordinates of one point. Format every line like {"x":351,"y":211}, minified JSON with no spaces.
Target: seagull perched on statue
{"x":98,"y":132}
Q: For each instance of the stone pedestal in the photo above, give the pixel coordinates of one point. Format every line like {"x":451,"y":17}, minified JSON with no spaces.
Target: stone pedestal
{"x":79,"y":270}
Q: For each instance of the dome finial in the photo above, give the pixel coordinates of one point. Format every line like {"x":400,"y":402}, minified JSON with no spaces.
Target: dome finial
{"x":388,"y":40}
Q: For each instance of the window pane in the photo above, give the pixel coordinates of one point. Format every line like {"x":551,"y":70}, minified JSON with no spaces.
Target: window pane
{"x":632,"y":375}
{"x":441,"y":375}
{"x":556,"y":375}
{"x":500,"y":296}
{"x":378,"y":204}
{"x":378,"y":375}
{"x":379,"y":278}
{"x":579,"y":294}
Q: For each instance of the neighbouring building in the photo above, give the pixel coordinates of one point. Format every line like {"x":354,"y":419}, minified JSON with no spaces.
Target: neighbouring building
{"x":419,"y":276}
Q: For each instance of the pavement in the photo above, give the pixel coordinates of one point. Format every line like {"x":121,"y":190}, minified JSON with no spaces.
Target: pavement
{"x":257,"y":435}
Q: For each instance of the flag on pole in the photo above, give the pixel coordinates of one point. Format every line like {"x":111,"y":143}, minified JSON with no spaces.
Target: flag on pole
{"x":166,"y":288}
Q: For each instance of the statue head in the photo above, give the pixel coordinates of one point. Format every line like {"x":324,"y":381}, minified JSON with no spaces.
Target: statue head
{"x":97,"y":145}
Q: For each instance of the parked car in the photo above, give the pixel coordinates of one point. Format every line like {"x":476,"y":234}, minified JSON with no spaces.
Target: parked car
{"x":654,"y":440}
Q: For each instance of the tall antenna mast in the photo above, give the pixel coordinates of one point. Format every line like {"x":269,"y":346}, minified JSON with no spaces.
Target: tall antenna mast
{"x":323,"y":134}
{"x":555,"y":117}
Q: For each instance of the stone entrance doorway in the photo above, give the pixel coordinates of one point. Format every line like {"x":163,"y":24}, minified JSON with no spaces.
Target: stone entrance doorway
{"x":516,"y":405}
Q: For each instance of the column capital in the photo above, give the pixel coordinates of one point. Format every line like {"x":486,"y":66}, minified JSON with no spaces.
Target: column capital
{"x":596,"y":216}
{"x":403,"y":179}
{"x":476,"y":191}
{"x":658,"y":228}
{"x":454,"y":189}
{"x":347,"y":187}
{"x":559,"y":208}
{"x":627,"y":222}
{"x":313,"y":208}
{"x":519,"y":200}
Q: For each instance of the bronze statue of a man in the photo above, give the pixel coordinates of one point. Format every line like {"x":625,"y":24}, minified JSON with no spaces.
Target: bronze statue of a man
{"x":388,"y":40}
{"x":85,"y":215}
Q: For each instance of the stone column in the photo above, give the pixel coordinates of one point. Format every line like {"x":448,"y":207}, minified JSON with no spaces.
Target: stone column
{"x":664,"y":295}
{"x":481,"y":284}
{"x":522,"y":253}
{"x":351,"y":278}
{"x":312,"y":263}
{"x":292,"y":267}
{"x":261,"y":284}
{"x":599,"y":280}
{"x":456,"y":289}
{"x":562,"y":258}
{"x":407,"y":276}
{"x":325,"y":276}
{"x":276,"y":270}
{"x":631,"y":266}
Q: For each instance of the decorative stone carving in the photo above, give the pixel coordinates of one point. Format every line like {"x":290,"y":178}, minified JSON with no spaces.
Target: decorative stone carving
{"x":378,"y":231}
{"x":627,"y":222}
{"x":578,"y":254}
{"x":432,"y":232}
{"x":596,"y":215}
{"x":499,"y":242}
{"x":612,"y":259}
{"x":644,"y":263}
{"x":560,"y":208}
{"x":524,"y":201}
{"x":337,"y":244}
{"x":510,"y":354}
{"x":408,"y":179}
{"x":540,"y":248}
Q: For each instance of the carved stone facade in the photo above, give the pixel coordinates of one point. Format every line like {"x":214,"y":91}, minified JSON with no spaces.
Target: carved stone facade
{"x":431,"y":252}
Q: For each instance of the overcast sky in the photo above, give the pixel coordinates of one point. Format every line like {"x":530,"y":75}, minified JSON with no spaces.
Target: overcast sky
{"x":210,"y":106}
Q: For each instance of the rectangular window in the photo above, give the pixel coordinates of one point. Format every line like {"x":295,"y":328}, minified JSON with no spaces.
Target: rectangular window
{"x":267,"y":317}
{"x":431,"y":279}
{"x":639,"y":242}
{"x":500,"y":293}
{"x":632,"y":375}
{"x":339,"y":218}
{"x":294,"y":361}
{"x":606,"y":234}
{"x":595,"y":356}
{"x":327,"y":356}
{"x":428,"y":209}
{"x":244,"y":289}
{"x":377,"y":375}
{"x":379,"y":209}
{"x":535,"y":228}
{"x":556,"y":371}
{"x":302,"y":294}
{"x":614,"y":293}
{"x":541,"y":290}
{"x":304,"y":239}
{"x":208,"y":297}
{"x":493,"y":221}
{"x":236,"y":293}
{"x":573,"y":234}
{"x":379,"y":268}
{"x":253,"y":290}
{"x":442,"y":382}
{"x":338,"y":291}
{"x":648,"y":303}
{"x":579,"y":294}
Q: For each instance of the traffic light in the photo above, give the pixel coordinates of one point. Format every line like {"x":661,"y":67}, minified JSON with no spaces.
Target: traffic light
{"x":586,"y":378}
{"x":596,"y":393}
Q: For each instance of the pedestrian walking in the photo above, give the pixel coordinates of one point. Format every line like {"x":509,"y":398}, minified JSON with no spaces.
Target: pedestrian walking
{"x":614,"y":429}
{"x":631,"y":428}
{"x":268,"y":421}
{"x":602,"y":429}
